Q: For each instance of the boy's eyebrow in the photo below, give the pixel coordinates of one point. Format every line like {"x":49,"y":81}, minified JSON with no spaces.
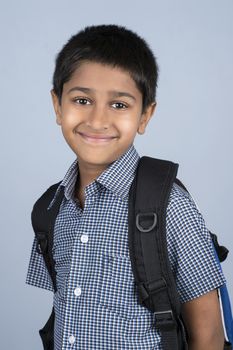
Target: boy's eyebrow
{"x":114,"y":93}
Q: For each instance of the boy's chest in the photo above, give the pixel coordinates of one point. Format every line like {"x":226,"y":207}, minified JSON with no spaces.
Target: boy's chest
{"x":91,"y":251}
{"x":101,"y":228}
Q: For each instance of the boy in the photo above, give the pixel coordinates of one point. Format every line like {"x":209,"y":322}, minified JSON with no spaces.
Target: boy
{"x":104,"y":90}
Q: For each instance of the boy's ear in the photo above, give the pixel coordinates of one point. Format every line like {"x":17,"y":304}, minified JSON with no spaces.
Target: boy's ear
{"x":56,"y":106}
{"x":145,"y":118}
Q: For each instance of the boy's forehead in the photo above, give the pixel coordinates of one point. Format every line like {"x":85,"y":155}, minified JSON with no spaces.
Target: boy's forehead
{"x":98,"y":76}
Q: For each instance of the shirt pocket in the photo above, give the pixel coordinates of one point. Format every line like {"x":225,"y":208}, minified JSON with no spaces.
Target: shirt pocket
{"x":118,"y":291}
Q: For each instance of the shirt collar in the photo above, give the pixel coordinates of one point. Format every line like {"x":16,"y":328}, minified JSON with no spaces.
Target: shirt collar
{"x":117,"y":178}
{"x":68,"y":183}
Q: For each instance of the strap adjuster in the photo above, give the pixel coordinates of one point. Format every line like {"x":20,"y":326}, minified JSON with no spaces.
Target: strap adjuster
{"x":41,"y":242}
{"x":151,"y":217}
{"x":153,"y":287}
{"x":164,"y":320}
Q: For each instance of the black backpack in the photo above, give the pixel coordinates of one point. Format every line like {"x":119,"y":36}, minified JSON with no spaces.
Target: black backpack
{"x":148,"y":199}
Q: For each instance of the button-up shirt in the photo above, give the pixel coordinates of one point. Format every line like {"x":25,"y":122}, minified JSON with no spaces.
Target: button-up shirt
{"x":96,"y":304}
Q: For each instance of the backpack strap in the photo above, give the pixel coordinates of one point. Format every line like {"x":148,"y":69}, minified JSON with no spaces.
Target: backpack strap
{"x":148,"y":199}
{"x":43,"y":221}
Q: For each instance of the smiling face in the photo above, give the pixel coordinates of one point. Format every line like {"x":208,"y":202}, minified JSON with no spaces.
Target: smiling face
{"x":100,"y":113}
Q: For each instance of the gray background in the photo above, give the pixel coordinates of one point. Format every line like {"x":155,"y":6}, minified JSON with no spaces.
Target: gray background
{"x":192,"y":125}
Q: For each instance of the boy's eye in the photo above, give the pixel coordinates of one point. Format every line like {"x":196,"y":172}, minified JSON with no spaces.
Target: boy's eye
{"x":84,"y":101}
{"x":119,"y":105}
{"x":81,"y":101}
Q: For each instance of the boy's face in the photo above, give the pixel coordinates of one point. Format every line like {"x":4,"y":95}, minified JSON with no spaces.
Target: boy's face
{"x":100,"y":113}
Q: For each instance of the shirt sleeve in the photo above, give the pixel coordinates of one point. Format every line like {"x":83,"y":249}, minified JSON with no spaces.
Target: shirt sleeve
{"x":37,"y":274}
{"x":190,"y":248}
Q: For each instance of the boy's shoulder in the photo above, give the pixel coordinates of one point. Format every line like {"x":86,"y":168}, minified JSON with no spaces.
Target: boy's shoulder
{"x":183,"y":214}
{"x":179,"y":197}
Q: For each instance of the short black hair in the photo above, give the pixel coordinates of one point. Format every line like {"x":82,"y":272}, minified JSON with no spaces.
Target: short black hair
{"x":113,"y":45}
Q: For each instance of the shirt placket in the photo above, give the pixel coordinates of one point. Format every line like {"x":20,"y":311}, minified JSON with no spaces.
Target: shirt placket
{"x":79,"y":261}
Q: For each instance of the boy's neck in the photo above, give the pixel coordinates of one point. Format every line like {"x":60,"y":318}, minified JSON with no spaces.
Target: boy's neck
{"x":87,"y":174}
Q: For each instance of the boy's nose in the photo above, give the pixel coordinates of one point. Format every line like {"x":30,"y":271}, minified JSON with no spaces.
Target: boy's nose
{"x":98,"y":118}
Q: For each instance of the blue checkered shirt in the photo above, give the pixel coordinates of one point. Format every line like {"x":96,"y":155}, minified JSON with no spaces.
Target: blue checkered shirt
{"x":96,"y":305}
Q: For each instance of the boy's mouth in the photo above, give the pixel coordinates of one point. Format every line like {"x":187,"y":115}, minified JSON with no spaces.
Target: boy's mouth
{"x":96,"y":138}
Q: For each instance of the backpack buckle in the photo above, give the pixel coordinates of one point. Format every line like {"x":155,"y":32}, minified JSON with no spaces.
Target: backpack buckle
{"x":41,"y":242}
{"x":148,"y":220}
{"x":148,"y":289}
{"x":164,"y":320}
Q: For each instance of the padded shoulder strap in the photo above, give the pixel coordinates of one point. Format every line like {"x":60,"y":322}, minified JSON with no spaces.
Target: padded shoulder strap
{"x":43,"y":221}
{"x":148,"y":201}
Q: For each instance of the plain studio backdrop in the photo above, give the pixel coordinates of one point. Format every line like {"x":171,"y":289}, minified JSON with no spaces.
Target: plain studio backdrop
{"x":193,"y":42}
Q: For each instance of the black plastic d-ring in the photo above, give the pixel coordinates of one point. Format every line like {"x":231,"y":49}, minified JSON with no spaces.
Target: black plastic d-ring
{"x":140,"y":216}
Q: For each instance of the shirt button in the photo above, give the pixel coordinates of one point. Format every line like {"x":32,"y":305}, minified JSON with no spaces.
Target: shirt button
{"x":71,"y":339}
{"x":77,"y":291}
{"x":84,"y":238}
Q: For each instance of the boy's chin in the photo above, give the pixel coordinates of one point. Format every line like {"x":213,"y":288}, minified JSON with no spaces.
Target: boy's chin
{"x":95,"y":161}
